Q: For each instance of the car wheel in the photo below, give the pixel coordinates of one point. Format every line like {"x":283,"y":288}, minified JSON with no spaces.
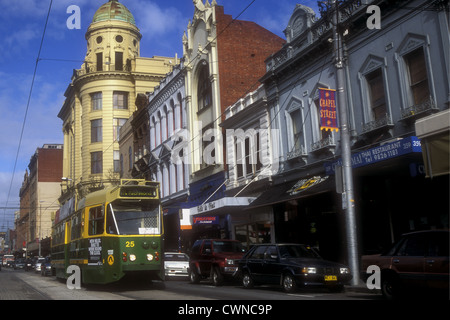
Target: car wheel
{"x":194,"y":277}
{"x":289,"y":284}
{"x":390,"y":287}
{"x":247,"y":281}
{"x":216,"y":276}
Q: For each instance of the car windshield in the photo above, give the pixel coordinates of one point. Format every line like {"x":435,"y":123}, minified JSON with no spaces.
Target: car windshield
{"x":227,"y":246}
{"x":128,"y":218}
{"x":297,"y":251}
{"x":175,"y":257}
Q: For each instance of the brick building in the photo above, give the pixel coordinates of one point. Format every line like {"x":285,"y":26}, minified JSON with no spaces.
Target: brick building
{"x":224,"y":60}
{"x":39,"y":199}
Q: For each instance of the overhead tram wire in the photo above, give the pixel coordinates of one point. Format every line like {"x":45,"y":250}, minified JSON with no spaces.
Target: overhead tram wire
{"x":26,"y":110}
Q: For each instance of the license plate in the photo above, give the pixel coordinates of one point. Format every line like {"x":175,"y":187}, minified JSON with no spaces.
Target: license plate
{"x":330,"y":278}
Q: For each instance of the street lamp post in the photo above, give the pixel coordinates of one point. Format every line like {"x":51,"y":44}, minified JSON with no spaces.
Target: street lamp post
{"x":348,"y":202}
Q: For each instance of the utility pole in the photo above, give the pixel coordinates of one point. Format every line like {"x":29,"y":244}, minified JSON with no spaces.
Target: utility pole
{"x":348,"y":202}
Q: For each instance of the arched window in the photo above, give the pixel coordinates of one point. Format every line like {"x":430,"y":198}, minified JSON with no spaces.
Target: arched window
{"x":204,"y":90}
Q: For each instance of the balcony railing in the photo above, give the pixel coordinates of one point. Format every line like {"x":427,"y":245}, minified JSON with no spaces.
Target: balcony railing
{"x":383,"y":122}
{"x":427,"y":106}
{"x":327,"y":143}
{"x":91,"y":68}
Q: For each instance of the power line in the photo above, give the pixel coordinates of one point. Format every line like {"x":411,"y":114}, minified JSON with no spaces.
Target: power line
{"x":27,"y":108}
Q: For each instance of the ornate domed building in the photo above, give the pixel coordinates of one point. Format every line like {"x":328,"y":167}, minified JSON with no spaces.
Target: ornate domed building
{"x":101,"y":98}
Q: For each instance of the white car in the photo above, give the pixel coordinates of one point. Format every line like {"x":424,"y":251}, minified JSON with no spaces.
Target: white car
{"x":39,"y":262}
{"x":176,"y":264}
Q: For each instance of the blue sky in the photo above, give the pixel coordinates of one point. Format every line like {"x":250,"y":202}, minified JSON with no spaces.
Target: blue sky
{"x":161,"y":22}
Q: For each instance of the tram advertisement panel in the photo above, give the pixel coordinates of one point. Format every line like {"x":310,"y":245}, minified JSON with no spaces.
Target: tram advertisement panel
{"x":95,"y":251}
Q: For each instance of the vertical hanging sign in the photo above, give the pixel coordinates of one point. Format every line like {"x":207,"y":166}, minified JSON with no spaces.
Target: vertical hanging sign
{"x":328,"y":110}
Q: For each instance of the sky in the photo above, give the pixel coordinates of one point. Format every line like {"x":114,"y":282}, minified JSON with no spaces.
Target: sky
{"x":28,"y":121}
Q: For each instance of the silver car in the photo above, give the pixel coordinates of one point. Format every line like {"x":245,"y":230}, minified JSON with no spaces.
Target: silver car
{"x":39,"y":262}
{"x":176,"y":264}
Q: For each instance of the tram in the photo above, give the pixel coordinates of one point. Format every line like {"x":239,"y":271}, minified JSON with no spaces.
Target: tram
{"x":111,"y":234}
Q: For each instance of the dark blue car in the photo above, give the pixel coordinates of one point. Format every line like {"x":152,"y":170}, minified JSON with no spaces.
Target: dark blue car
{"x":291,"y":266}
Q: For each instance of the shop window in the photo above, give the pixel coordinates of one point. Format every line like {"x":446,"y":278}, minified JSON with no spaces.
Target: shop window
{"x":253,"y":233}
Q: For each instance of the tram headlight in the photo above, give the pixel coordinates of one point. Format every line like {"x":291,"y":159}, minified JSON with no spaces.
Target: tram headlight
{"x":149,"y":257}
{"x":132,"y":257}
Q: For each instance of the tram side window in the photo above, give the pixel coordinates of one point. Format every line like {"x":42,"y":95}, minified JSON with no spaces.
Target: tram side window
{"x":96,"y":221}
{"x":76,"y":226}
{"x":58,"y":236}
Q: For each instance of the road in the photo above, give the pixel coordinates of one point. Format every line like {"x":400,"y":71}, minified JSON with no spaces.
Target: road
{"x":21,"y":285}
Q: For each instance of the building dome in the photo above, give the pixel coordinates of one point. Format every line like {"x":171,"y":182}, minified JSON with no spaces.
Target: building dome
{"x":113,"y":10}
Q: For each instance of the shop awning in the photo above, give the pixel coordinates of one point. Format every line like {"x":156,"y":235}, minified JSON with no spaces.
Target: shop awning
{"x":435,"y":138}
{"x":219,"y":205}
{"x":294,"y":190}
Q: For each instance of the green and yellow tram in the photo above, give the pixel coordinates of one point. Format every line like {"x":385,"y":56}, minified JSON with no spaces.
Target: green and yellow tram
{"x":113,"y":233}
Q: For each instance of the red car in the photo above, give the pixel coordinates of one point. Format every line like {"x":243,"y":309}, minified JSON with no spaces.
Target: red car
{"x":215,"y":259}
{"x":418,"y":260}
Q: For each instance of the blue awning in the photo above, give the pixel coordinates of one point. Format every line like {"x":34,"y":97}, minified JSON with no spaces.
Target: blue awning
{"x":384,"y":152}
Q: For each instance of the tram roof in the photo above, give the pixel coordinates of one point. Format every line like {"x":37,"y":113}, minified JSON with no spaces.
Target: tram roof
{"x":112,"y":192}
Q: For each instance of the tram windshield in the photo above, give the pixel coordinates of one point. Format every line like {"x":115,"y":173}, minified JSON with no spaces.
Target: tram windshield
{"x":130,"y":217}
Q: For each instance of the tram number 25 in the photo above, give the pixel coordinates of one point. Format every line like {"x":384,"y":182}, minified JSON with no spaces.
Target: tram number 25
{"x":129,"y":244}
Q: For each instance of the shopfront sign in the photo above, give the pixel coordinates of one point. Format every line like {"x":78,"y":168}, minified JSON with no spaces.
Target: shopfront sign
{"x":386,"y":151}
{"x":305,"y":184}
{"x":206,"y":220}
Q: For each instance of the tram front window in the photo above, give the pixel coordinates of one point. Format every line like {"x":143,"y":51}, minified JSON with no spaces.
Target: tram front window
{"x":134,"y":217}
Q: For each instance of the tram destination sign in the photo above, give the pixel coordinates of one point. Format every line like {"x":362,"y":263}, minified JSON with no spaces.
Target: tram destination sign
{"x":138,"y":191}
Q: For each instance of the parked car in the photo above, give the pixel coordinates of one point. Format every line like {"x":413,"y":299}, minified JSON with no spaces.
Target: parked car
{"x":418,"y":260}
{"x":19,"y":264}
{"x":37,"y":266}
{"x":29,"y":264}
{"x":176,"y":264}
{"x":215,"y":259}
{"x":46,"y":267}
{"x":291,"y":266}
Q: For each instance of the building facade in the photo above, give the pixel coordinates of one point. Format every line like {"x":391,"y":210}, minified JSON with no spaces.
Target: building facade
{"x":101,"y":98}
{"x":39,"y":195}
{"x":393,"y":78}
{"x":162,"y":158}
{"x":224,"y":59}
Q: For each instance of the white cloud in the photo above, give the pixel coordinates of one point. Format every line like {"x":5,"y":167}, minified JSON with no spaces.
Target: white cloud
{"x":154,"y":20}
